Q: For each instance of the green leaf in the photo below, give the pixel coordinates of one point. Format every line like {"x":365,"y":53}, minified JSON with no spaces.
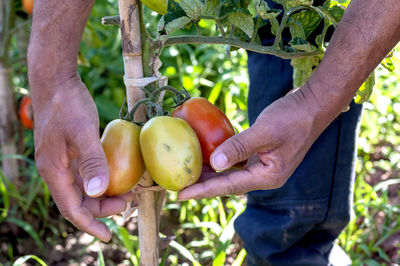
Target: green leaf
{"x":184,"y":252}
{"x":309,"y":19}
{"x":5,"y":197}
{"x":192,"y":8}
{"x":388,"y":64}
{"x":100,"y":259}
{"x":175,"y":12}
{"x":365,"y":91}
{"x":211,"y":8}
{"x":243,"y":21}
{"x":296,"y":29}
{"x":176,"y":24}
{"x":334,"y":9}
{"x":21,"y":261}
{"x":301,"y":45}
{"x":288,"y":4}
{"x":29,"y":229}
{"x":127,"y":240}
{"x":303,"y":69}
{"x":240,"y":258}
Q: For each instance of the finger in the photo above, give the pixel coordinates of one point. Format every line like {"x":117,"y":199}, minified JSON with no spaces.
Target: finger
{"x":239,"y":148}
{"x":93,"y":168}
{"x":235,"y":182}
{"x":128,"y":196}
{"x":68,"y":198}
{"x":231,"y":183}
{"x":104,"y":207}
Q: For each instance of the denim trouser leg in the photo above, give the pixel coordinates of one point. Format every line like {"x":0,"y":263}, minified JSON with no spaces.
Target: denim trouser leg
{"x":297,"y":223}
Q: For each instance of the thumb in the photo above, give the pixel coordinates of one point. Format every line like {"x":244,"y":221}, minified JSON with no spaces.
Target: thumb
{"x":94,"y":169}
{"x":237,"y":149}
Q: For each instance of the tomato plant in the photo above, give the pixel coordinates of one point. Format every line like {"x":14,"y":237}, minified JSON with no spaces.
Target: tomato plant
{"x":28,"y":6}
{"x":211,"y":125}
{"x":159,"y":6}
{"x":25,"y":112}
{"x":120,"y":142}
{"x":171,"y":152}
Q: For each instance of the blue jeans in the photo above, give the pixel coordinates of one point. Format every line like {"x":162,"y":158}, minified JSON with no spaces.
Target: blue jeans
{"x":297,"y":223}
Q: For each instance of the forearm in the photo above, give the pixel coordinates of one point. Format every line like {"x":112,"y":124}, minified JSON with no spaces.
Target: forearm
{"x":368,"y":31}
{"x":57,"y":29}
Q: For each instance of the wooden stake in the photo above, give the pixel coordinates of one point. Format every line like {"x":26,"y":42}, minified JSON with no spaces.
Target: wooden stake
{"x":132,"y":54}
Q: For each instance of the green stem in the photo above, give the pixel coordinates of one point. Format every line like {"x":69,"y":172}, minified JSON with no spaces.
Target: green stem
{"x":221,"y":29}
{"x":239,"y":44}
{"x":324,"y":31}
{"x":253,"y":38}
{"x":6,"y":36}
{"x":321,"y":12}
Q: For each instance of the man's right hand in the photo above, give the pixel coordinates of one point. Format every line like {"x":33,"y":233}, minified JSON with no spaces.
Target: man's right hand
{"x":70,"y":157}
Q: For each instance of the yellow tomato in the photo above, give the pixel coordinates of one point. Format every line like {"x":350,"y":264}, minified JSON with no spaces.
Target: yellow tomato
{"x":120,"y":142}
{"x":171,"y":152}
{"x":159,"y":6}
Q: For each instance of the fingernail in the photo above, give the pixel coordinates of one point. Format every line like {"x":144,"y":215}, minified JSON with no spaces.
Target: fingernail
{"x":94,"y":186}
{"x":219,"y":161}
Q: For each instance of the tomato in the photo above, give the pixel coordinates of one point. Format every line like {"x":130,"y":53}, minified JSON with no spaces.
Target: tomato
{"x":120,"y":142}
{"x":211,"y":125}
{"x":171,"y":152}
{"x":159,"y":6}
{"x":28,"y":6}
{"x":25,"y":112}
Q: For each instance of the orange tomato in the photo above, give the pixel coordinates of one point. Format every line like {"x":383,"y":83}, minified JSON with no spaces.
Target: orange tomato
{"x":25,"y":112}
{"x":120,"y":143}
{"x":28,"y":6}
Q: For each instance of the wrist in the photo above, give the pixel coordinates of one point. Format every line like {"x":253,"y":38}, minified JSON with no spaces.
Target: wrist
{"x":325,"y":101}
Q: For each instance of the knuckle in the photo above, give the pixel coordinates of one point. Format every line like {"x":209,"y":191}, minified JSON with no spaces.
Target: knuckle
{"x":91,"y":165}
{"x":68,"y":215}
{"x":239,"y":149}
{"x":276,"y":181}
{"x":233,"y":187}
{"x":41,"y":165}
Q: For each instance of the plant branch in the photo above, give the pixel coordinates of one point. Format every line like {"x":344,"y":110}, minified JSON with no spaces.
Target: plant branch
{"x":221,"y":29}
{"x":112,"y":20}
{"x":190,"y":39}
{"x":321,"y":12}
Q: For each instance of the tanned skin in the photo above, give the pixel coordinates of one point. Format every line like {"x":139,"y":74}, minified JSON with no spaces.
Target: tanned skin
{"x":66,"y":120}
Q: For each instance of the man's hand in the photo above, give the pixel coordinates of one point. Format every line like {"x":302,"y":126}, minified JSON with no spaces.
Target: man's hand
{"x":285,"y":130}
{"x":275,"y":145}
{"x":71,"y":160}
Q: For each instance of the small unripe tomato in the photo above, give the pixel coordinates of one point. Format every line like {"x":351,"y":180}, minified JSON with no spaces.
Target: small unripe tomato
{"x":171,"y":152}
{"x":25,"y":112}
{"x":120,"y":142}
{"x":28,"y":6}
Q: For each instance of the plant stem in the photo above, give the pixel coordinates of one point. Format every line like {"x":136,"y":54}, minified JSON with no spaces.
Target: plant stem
{"x":255,"y":33}
{"x":132,"y":40}
{"x":321,"y":12}
{"x":111,"y":20}
{"x":190,"y":39}
{"x":221,"y":29}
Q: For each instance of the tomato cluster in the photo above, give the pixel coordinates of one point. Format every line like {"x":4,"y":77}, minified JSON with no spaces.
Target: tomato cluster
{"x":172,"y":149}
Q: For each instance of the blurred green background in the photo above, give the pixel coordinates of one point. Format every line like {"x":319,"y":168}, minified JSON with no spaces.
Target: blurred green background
{"x":201,"y":231}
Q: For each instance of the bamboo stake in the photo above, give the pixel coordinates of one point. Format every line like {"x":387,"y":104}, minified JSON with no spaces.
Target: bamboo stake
{"x":132,"y":54}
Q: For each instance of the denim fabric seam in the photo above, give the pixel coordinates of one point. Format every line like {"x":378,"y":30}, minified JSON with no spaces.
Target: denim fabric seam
{"x":340,"y":120}
{"x":291,"y":202}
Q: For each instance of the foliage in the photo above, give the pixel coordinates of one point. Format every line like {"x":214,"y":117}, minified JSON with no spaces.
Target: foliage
{"x":369,"y":236}
{"x":201,"y":231}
